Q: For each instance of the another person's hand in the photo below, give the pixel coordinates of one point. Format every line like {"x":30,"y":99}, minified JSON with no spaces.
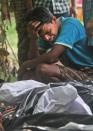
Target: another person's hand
{"x":73,"y":12}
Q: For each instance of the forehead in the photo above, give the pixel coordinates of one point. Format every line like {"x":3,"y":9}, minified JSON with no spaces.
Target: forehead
{"x":46,"y":26}
{"x":44,"y":29}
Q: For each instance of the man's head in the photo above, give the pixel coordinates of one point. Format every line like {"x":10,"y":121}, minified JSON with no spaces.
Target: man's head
{"x":43,"y":22}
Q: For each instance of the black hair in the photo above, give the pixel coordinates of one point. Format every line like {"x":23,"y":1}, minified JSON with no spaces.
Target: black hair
{"x":41,"y":14}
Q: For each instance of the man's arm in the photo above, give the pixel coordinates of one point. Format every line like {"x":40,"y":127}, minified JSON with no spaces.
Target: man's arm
{"x":33,"y":50}
{"x":49,"y":58}
{"x":73,"y":8}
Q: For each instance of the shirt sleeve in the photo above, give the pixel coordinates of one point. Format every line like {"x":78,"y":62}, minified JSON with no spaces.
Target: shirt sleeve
{"x":71,"y":32}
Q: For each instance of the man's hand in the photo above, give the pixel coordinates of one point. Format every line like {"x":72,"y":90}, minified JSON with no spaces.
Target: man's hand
{"x":33,"y":29}
{"x":25,"y":67}
{"x":73,"y":12}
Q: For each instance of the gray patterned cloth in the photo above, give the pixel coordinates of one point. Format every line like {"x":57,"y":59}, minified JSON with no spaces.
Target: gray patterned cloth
{"x":57,"y":6}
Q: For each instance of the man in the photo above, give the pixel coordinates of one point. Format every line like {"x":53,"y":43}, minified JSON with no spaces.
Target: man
{"x":58,"y":8}
{"x":67,"y":39}
{"x":21,"y":7}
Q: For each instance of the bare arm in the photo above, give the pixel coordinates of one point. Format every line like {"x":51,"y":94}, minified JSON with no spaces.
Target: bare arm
{"x":50,"y":57}
{"x":33,"y":51}
{"x":73,"y":8}
{"x":73,"y":3}
{"x":33,"y":45}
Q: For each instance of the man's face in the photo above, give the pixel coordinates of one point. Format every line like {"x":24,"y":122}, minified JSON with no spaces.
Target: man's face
{"x":49,"y":31}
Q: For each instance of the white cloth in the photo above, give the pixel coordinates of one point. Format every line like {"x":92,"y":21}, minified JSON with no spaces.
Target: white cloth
{"x":55,"y":99}
{"x":62,"y":99}
{"x":15,"y":92}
